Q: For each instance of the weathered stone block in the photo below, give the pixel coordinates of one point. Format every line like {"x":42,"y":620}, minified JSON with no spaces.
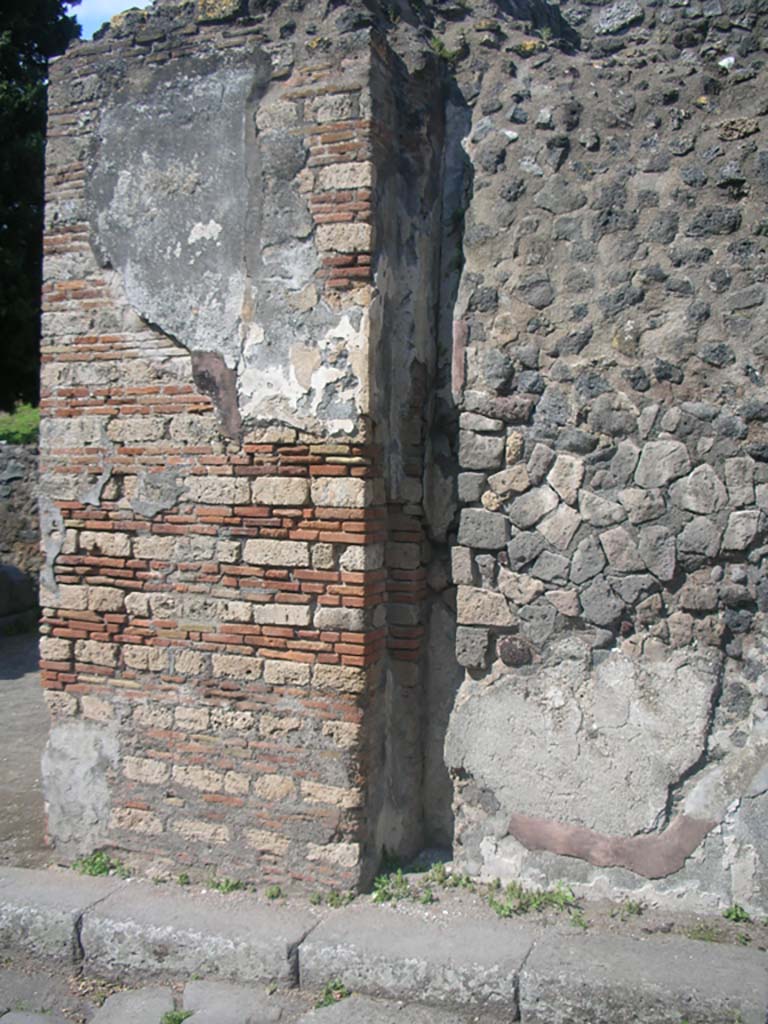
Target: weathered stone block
{"x":289,"y":491}
{"x":480,"y":451}
{"x":531,"y":507}
{"x":486,"y":530}
{"x":475,"y":606}
{"x":276,"y":552}
{"x":661,"y":462}
{"x":471,"y":646}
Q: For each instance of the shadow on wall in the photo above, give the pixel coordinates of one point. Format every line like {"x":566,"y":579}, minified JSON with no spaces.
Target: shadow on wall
{"x":442,"y":672}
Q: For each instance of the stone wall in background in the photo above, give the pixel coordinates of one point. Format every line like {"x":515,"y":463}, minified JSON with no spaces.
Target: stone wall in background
{"x":405,"y":459}
{"x":19,"y":531}
{"x":19,"y":536}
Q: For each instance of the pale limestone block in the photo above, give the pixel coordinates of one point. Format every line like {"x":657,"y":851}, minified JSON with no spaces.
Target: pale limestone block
{"x":232,"y":721}
{"x":338,"y":177}
{"x":218,"y":490}
{"x":237,"y":666}
{"x":343,"y":734}
{"x":282,"y":614}
{"x":104,"y":542}
{"x":201,"y":831}
{"x":145,"y":769}
{"x":362,"y":558}
{"x":189,"y":663}
{"x":153,"y":716}
{"x":345,"y":855}
{"x":227,"y":551}
{"x":137,"y":604}
{"x":236,"y":783}
{"x":271,"y":724}
{"x":61,"y":703}
{"x":55,"y":649}
{"x":153,"y":548}
{"x":95,"y":652}
{"x":96,"y":709}
{"x":148,"y":659}
{"x":133,"y":429}
{"x":106,"y":599}
{"x":72,"y":599}
{"x":195,"y":777}
{"x":274,"y":787}
{"x":132,"y":819}
{"x":346,"y":492}
{"x":192,"y":719}
{"x":354,"y":237}
{"x":323,"y":556}
{"x":332,"y":107}
{"x":344,"y":678}
{"x":281,"y":491}
{"x":287,"y":553}
{"x":335,"y":796}
{"x":267,"y":842}
{"x":286,"y":673}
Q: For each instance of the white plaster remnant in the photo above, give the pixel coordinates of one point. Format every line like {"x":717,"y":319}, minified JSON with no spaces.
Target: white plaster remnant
{"x":204,"y":232}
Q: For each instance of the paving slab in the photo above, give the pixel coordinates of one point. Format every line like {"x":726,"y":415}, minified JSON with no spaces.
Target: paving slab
{"x":218,"y":1002}
{"x":603,"y":979}
{"x":363,"y":1010}
{"x":140,"y":1006}
{"x":146,"y":929}
{"x":378,"y":951}
{"x":40,"y":911}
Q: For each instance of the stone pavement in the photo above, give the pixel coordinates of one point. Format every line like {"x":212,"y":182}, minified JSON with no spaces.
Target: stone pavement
{"x":236,"y":959}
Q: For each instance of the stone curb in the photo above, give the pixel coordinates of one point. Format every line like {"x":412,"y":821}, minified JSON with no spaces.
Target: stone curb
{"x":519,"y":971}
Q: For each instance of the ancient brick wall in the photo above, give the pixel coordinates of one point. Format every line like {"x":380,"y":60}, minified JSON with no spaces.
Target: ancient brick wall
{"x":405,"y":442}
{"x":215,"y":626}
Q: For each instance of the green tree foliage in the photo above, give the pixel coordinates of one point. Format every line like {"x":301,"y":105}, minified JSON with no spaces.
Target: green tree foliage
{"x":31,"y":31}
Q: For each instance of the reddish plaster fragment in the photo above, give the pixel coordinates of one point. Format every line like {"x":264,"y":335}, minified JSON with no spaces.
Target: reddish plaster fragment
{"x":652,"y":856}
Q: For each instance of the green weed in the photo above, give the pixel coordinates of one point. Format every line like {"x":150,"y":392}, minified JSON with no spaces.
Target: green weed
{"x":737,"y":914}
{"x":100,"y":863}
{"x":175,"y":1016}
{"x":391,"y":888}
{"x":183,"y":878}
{"x":336,"y":899}
{"x":226,"y":885}
{"x":274,"y":892}
{"x":427,"y":896}
{"x":333,"y":992}
{"x":515,"y":899}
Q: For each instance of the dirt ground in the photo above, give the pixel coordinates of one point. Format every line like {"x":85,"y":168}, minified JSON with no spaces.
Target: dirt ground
{"x":23,"y":733}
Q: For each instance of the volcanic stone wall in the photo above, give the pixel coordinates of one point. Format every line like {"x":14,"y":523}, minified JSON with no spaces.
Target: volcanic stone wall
{"x":613,"y":484}
{"x":405,"y":459}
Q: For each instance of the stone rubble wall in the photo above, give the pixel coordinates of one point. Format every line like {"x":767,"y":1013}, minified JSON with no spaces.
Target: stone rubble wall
{"x":610,"y":556}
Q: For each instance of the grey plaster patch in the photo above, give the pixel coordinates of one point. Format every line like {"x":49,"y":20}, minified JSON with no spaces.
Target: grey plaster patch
{"x":170,"y":219}
{"x":638,"y":728}
{"x":76,"y":762}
